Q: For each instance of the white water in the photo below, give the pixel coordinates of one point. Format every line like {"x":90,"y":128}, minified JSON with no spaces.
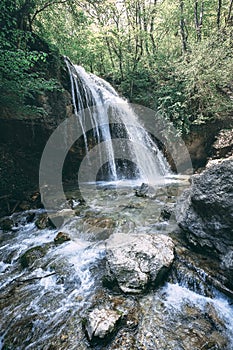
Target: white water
{"x":55,"y":288}
{"x":97,"y":100}
{"x":178,"y":296}
{"x":54,"y":293}
{"x":62,"y":282}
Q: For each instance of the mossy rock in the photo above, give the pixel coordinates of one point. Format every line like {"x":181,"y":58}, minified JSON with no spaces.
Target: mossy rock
{"x":43,"y":221}
{"x":61,"y":237}
{"x":33,"y":254}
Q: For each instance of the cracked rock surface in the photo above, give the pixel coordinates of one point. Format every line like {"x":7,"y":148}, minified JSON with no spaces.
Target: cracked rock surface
{"x":101,"y":322}
{"x":134,"y":261}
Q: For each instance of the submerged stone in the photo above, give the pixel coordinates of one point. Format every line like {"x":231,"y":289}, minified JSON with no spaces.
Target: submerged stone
{"x":100,"y":222}
{"x":138,"y":260}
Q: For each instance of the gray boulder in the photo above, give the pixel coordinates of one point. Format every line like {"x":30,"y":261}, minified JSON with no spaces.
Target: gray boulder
{"x":136,"y":260}
{"x":205,"y":213}
{"x":205,"y":210}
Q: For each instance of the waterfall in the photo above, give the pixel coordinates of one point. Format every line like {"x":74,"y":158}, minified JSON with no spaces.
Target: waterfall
{"x":96,"y":99}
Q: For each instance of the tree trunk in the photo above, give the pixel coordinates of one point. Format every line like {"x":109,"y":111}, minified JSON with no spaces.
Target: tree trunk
{"x":183,"y":33}
{"x":198,"y":19}
{"x":219,"y":13}
{"x":152,"y":28}
{"x":110,"y":52}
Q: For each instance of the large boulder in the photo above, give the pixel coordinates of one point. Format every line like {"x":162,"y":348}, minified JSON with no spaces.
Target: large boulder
{"x":135,"y":261}
{"x":205,"y":213}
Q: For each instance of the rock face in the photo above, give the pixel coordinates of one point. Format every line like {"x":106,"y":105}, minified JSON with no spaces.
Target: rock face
{"x":205,"y":213}
{"x":135,"y":261}
{"x":23,"y":137}
{"x":101,"y":322}
{"x":223,"y":146}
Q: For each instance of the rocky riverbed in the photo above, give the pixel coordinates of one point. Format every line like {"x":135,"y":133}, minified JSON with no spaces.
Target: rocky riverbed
{"x":120,"y":273}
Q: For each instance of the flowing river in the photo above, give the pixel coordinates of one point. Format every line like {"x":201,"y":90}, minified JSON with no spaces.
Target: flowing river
{"x":44,"y":299}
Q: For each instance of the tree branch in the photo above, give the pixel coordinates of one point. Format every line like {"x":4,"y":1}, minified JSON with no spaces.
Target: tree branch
{"x":46,"y":5}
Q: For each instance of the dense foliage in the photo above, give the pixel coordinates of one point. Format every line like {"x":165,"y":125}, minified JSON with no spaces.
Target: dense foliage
{"x":173,"y":56}
{"x":23,"y":61}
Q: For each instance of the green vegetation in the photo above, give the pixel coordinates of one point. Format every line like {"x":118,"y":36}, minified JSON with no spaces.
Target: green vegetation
{"x":173,"y":56}
{"x":23,"y":67}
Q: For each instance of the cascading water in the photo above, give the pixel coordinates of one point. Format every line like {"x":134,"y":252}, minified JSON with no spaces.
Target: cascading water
{"x":47,"y":289}
{"x":96,"y":99}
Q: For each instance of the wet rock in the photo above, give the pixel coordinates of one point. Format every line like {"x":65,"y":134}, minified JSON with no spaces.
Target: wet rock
{"x":6,"y":224}
{"x":58,"y":218}
{"x":43,"y":221}
{"x":126,"y":306}
{"x":217,"y":161}
{"x":142,"y":191}
{"x":179,"y":324}
{"x":32,"y":255}
{"x":227,"y":260}
{"x":167,"y":212}
{"x":205,"y":213}
{"x":137,"y":260}
{"x":123,"y":304}
{"x":76,"y":203}
{"x":30,"y":217}
{"x":61,"y":237}
{"x":133,"y":206}
{"x":199,"y":271}
{"x":35,"y":197}
{"x":186,"y":274}
{"x":101,"y":323}
{"x":102,"y":222}
{"x":98,"y":228}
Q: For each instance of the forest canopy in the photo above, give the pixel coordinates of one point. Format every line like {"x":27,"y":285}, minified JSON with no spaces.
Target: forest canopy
{"x":172,"y":56}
